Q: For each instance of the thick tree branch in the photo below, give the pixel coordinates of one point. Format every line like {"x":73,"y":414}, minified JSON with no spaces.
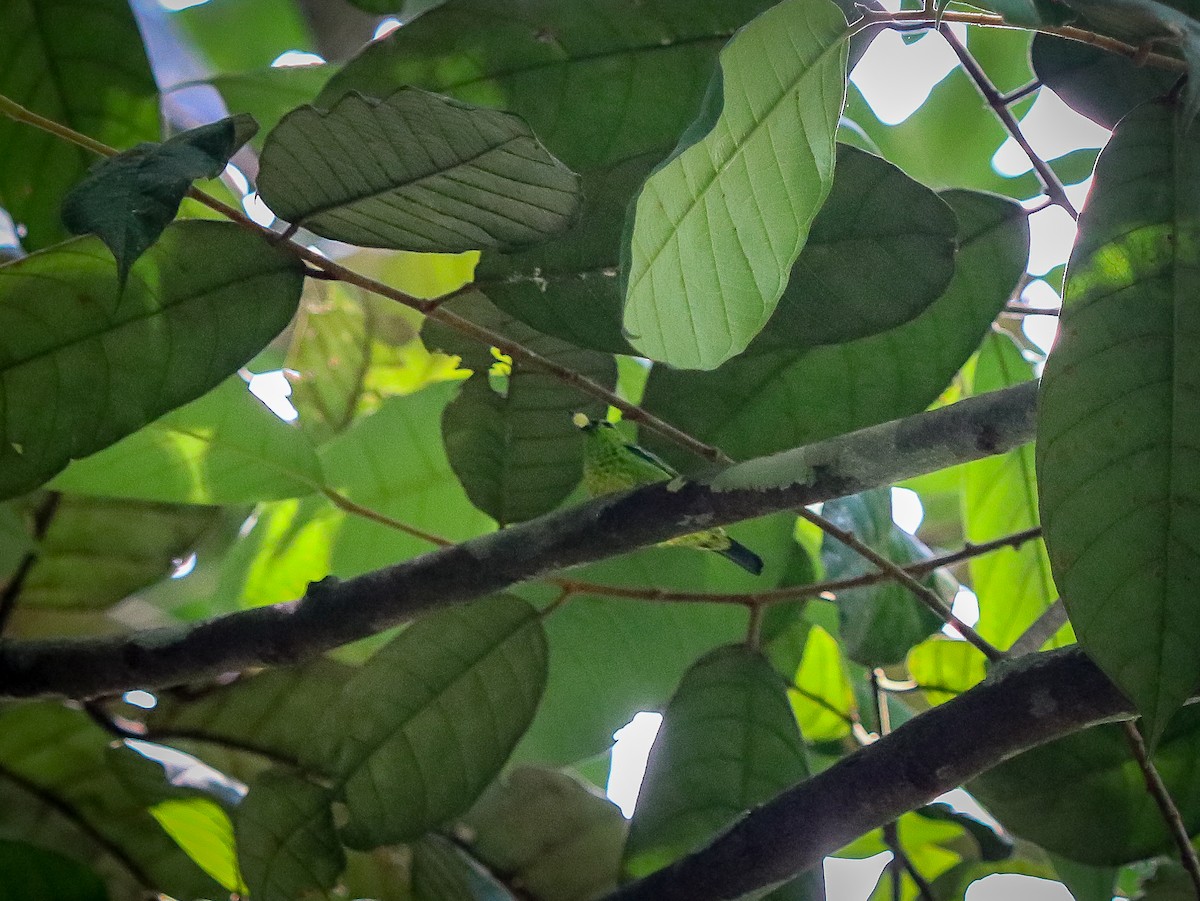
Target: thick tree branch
{"x":335,"y":612}
{"x":1023,"y":705}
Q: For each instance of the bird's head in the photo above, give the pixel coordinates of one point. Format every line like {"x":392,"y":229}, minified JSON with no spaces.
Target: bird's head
{"x":585,"y":422}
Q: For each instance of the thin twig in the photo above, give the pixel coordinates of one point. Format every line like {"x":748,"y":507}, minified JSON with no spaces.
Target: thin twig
{"x":1166,"y":805}
{"x":11,"y":593}
{"x":1049,"y":178}
{"x":345,"y":504}
{"x":1024,"y":309}
{"x":1021,"y":93}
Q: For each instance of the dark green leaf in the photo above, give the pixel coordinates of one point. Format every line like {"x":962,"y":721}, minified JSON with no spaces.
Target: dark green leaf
{"x":286,"y":839}
{"x":198,"y":305}
{"x":31,"y":873}
{"x":879,"y":253}
{"x":421,"y":729}
{"x":127,"y":200}
{"x":548,"y":833}
{"x":1118,"y":426}
{"x":1085,"y":882}
{"x":728,"y":742}
{"x":1084,"y":797}
{"x":441,"y":872}
{"x":82,"y":65}
{"x":715,"y":230}
{"x":761,"y":403}
{"x":1103,"y":86}
{"x":514,"y":447}
{"x":440,"y":176}
{"x":878,"y":623}
{"x":992,"y":845}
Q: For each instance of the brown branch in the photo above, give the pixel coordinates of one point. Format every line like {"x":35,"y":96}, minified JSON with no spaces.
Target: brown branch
{"x":1166,"y":804}
{"x":1046,"y":696}
{"x":335,"y":612}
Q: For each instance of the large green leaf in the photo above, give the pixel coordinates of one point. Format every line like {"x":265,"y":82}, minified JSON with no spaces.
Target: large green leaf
{"x":1085,"y":798}
{"x":514,"y":446}
{"x":728,"y":742}
{"x":879,"y":253}
{"x":80,"y":64}
{"x":999,"y":498}
{"x":393,"y":463}
{"x":127,"y":200}
{"x":598,"y":82}
{"x":1118,"y":451}
{"x":286,"y":839}
{"x":1103,"y":86}
{"x":276,"y":26}
{"x":439,"y":176}
{"x":96,"y":552}
{"x":716,"y":229}
{"x":35,"y":874}
{"x":58,"y":790}
{"x":822,"y":697}
{"x":878,"y":623}
{"x":225,"y":448}
{"x":425,"y":724}
{"x":197,"y":306}
{"x":761,"y":403}
{"x":549,"y":833}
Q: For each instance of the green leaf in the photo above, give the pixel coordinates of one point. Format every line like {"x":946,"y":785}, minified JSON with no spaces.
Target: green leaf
{"x":274,"y":713}
{"x":1089,"y":883}
{"x":203,"y":830}
{"x":425,"y":724}
{"x":762,"y":403}
{"x":393,"y":463}
{"x":1118,"y":427}
{"x":1084,"y":797}
{"x":441,"y":872}
{"x":441,"y":176}
{"x":116,"y":360}
{"x":822,"y":698}
{"x":716,"y":229}
{"x":286,"y":839}
{"x":1101,"y":85}
{"x":127,"y":200}
{"x":728,"y":742}
{"x":635,"y":70}
{"x":58,"y":790}
{"x":880,"y":251}
{"x":514,"y":446}
{"x":225,"y":448}
{"x":96,"y":552}
{"x":267,"y":94}
{"x":944,"y":668}
{"x":83,"y":66}
{"x":549,"y":833}
{"x":999,"y":498}
{"x":276,"y":26}
{"x":878,"y":624}
{"x":35,"y":874}
{"x":992,"y":845}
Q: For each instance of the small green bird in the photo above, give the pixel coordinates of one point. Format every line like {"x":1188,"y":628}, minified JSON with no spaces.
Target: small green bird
{"x":610,"y":463}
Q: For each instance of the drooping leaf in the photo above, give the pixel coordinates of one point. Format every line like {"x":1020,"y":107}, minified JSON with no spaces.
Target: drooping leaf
{"x":127,"y":200}
{"x":393,"y":463}
{"x":878,"y":624}
{"x":425,"y":724}
{"x":761,"y":403}
{"x":999,"y":498}
{"x":286,"y":840}
{"x":96,"y":551}
{"x":197,"y":306}
{"x":58,"y":791}
{"x":224,"y":448}
{"x":598,"y":82}
{"x":822,"y":698}
{"x":716,"y":229}
{"x":1083,"y":797}
{"x":1102,"y":86}
{"x":728,"y":742}
{"x":880,"y":251}
{"x":515,"y":448}
{"x":35,"y":874}
{"x":202,"y":828}
{"x":441,"y":176}
{"x":1118,"y":425}
{"x":549,"y":833}
{"x":83,"y":66}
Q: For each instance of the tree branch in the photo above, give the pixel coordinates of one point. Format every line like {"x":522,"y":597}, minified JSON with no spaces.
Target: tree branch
{"x":1044,"y":697}
{"x":334,"y":612}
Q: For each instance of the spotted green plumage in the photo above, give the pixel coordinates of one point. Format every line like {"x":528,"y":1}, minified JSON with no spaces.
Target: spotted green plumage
{"x":610,"y":463}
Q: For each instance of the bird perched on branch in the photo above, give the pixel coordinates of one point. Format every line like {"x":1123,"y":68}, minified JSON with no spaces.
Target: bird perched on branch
{"x":610,"y":463}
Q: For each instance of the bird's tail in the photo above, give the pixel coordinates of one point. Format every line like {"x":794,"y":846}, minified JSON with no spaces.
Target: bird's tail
{"x":744,"y":557}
